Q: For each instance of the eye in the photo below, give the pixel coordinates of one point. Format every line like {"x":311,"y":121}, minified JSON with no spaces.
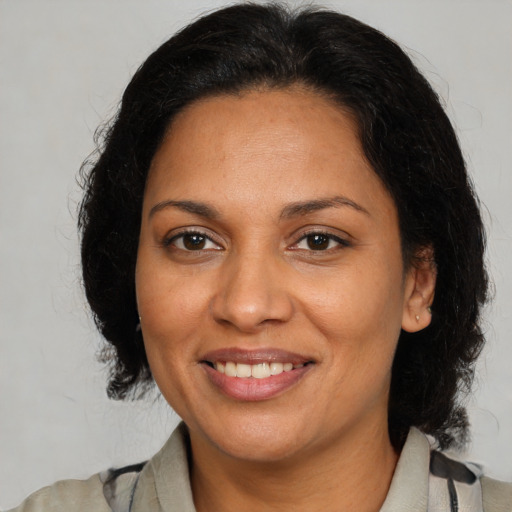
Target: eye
{"x":192,"y":241}
{"x":320,"y":242}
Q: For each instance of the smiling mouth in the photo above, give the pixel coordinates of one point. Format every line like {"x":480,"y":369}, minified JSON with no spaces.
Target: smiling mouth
{"x":254,"y":375}
{"x":256,"y":371}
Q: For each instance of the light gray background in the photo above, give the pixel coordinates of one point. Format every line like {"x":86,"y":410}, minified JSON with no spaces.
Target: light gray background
{"x":63,"y":67}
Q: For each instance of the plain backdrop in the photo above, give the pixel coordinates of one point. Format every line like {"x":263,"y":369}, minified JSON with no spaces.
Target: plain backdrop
{"x":63,"y":67}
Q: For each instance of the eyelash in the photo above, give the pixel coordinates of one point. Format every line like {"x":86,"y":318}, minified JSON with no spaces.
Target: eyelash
{"x":167,"y":242}
{"x":329,"y":236}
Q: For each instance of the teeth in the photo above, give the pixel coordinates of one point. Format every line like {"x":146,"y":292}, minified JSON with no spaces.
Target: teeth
{"x":230,"y":369}
{"x":260,"y":371}
{"x":257,"y":371}
{"x":276,"y":368}
{"x":243,"y":370}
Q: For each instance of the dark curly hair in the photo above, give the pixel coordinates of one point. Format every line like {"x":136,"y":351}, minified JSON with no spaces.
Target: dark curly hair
{"x":406,"y":137}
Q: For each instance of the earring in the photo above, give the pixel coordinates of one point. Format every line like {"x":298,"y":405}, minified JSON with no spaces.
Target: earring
{"x":417,"y":318}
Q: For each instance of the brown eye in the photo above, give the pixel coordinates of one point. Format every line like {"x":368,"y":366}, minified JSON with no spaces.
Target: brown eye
{"x":318,"y":242}
{"x":194,"y":241}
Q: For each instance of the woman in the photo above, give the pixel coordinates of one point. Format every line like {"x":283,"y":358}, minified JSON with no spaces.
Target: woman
{"x":280,"y":231}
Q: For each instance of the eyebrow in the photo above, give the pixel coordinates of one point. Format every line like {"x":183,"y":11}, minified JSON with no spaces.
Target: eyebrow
{"x":304,"y":207}
{"x":295,"y":209}
{"x":197,"y":208}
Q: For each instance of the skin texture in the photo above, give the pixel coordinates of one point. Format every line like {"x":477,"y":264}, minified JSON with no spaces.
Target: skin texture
{"x":256,"y":284}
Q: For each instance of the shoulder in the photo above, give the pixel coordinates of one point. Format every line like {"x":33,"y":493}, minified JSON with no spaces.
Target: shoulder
{"x":428,"y":480}
{"x":497,"y":496}
{"x":109,"y":491}
{"x":67,"y":495}
{"x":137,"y":487}
{"x":466,"y":487}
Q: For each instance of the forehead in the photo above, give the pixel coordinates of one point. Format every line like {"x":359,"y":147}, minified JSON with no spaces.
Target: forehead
{"x":291,"y":143}
{"x":296,"y":114}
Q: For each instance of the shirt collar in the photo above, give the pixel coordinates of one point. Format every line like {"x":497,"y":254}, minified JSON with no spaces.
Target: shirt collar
{"x":165,"y":479}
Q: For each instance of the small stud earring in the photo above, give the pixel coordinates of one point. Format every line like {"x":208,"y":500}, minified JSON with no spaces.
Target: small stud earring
{"x":417,"y":318}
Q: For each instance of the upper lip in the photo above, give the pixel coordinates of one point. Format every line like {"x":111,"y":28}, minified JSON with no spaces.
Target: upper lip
{"x":256,"y":356}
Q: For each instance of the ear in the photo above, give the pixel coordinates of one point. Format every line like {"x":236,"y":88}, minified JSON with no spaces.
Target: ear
{"x":420,"y":284}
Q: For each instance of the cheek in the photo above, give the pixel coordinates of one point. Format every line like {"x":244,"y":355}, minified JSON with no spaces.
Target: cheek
{"x":356,"y":301}
{"x":169,"y":308}
{"x":359,"y":314}
{"x":169,"y":303}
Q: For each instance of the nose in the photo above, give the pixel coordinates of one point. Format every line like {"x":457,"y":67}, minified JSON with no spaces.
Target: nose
{"x":252,"y":294}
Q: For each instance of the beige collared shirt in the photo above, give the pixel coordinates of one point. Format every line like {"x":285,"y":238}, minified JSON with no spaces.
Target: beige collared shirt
{"x":163,"y":485}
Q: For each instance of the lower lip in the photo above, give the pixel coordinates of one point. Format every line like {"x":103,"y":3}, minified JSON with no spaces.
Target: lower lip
{"x":251,"y":389}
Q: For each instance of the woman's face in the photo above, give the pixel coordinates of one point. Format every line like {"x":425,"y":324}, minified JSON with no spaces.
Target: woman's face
{"x":269,"y":243}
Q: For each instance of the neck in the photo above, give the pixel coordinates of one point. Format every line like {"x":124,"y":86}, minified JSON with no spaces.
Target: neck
{"x":352,"y":474}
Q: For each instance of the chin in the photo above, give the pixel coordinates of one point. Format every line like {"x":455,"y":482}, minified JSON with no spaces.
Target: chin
{"x":258,"y":441}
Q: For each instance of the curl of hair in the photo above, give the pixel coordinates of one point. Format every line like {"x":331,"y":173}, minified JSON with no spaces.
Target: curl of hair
{"x":405,"y":134}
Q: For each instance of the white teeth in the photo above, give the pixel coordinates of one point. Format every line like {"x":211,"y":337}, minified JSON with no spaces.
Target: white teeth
{"x":257,"y":371}
{"x":230,"y":369}
{"x":243,"y":370}
{"x":276,"y":368}
{"x":261,"y":371}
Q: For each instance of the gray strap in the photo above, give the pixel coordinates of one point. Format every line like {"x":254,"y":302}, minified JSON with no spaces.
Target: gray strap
{"x":119,"y":486}
{"x":453,"y":486}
